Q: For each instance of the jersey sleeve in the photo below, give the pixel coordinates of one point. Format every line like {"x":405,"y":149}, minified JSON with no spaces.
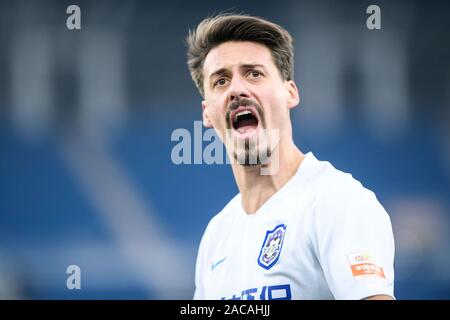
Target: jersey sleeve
{"x":199,"y":293}
{"x":202,"y":262}
{"x":355,"y":243}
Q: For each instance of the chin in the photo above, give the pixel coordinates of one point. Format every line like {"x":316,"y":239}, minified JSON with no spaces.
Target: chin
{"x":249,"y":158}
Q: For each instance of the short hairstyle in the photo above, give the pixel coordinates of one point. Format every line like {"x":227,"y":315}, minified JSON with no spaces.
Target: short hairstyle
{"x":214,"y":31}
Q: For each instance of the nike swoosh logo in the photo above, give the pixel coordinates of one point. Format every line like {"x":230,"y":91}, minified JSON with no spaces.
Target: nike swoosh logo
{"x":214,"y":265}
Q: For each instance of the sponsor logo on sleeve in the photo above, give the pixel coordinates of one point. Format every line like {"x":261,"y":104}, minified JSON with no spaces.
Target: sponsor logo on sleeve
{"x":363,"y":266}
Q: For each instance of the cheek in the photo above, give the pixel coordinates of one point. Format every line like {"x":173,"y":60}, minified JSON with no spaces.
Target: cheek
{"x":276,"y":114}
{"x":216,"y":115}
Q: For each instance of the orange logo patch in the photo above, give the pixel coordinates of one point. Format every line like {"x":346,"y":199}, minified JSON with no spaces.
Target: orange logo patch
{"x":363,"y":265}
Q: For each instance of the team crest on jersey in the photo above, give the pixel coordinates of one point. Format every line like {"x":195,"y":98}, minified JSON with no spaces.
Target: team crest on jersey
{"x":271,"y":248}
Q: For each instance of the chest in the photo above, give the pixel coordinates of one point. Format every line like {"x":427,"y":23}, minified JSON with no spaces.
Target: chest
{"x":263,"y":258}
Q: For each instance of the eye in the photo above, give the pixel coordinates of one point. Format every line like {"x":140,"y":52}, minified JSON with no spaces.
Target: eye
{"x":220,"y":82}
{"x":254,"y":74}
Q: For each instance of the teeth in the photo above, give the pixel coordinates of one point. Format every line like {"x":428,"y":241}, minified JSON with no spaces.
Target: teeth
{"x":241,"y":114}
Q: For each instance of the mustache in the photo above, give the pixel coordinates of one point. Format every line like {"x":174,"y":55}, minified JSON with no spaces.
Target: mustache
{"x":243,"y":102}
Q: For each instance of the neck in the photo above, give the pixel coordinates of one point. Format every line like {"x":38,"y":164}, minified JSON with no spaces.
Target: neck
{"x":257,"y":188}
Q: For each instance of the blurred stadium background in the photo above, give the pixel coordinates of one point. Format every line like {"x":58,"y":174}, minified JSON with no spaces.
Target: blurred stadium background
{"x":86,"y":118}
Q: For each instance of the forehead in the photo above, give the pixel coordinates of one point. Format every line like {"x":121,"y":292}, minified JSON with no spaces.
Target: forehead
{"x":234,"y":53}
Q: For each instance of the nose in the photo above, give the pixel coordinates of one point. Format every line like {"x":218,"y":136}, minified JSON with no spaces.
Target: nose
{"x":238,"y":89}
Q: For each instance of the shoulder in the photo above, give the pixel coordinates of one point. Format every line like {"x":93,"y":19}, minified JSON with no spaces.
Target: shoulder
{"x":330,"y":184}
{"x":227,"y":214}
{"x":335,"y":186}
{"x":221,"y":220}
{"x":338,"y":195}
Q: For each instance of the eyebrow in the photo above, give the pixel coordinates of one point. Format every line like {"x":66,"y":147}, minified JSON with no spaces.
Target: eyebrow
{"x":251,"y":66}
{"x":218,"y":72}
{"x":222,"y":71}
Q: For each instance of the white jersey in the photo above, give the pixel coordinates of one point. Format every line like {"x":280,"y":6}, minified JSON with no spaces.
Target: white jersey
{"x":321,"y":236}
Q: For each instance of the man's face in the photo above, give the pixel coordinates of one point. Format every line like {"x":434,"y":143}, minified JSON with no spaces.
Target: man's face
{"x":246,"y":99}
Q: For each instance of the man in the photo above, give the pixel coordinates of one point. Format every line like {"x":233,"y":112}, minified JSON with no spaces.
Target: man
{"x":301,"y":229}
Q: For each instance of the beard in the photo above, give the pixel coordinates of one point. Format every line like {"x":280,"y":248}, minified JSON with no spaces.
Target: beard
{"x":251,"y":154}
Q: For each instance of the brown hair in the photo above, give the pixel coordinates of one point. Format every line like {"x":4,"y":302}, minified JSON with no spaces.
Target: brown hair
{"x":213,"y":31}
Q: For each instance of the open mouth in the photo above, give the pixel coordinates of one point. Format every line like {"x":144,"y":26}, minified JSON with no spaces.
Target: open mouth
{"x":244,"y":120}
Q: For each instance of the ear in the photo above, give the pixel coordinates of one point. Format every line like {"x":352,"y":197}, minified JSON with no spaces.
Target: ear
{"x":293,"y":97}
{"x":206,"y":122}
